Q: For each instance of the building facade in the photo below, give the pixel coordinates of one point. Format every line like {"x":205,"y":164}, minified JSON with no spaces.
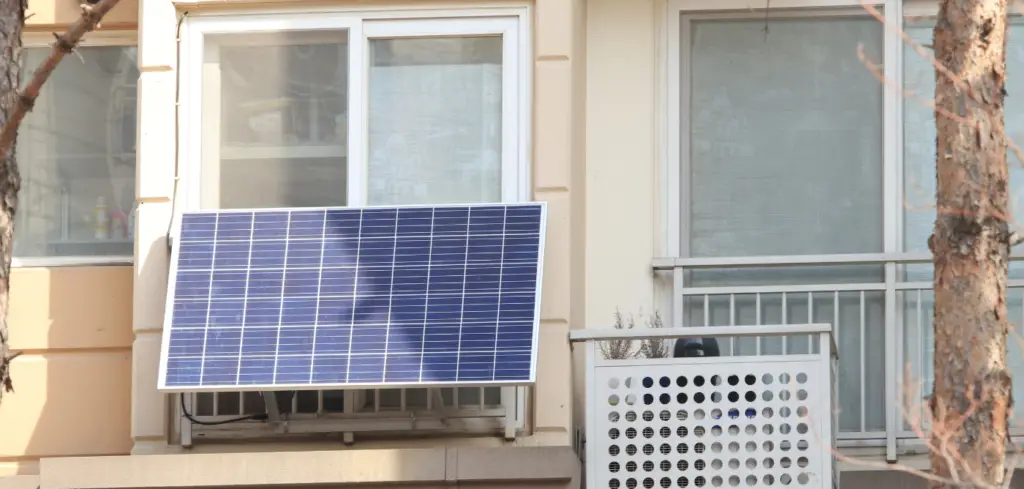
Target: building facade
{"x":705,"y":160}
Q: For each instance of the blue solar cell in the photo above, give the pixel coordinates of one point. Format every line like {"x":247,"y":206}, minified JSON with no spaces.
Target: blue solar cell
{"x":337,"y":297}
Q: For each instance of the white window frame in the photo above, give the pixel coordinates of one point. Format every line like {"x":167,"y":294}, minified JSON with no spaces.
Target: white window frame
{"x":675,"y":59}
{"x":673,"y":95}
{"x":362,"y":26}
{"x":40,"y":39}
{"x":674,"y":169}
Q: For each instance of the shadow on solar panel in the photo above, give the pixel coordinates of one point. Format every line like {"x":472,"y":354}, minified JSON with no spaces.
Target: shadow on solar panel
{"x":319,"y":298}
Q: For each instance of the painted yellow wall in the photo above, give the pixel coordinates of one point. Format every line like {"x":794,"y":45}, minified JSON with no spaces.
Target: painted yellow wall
{"x":622,"y":175}
{"x":558,"y":169}
{"x":622,"y":179}
{"x":72,"y":384}
{"x":87,"y":384}
{"x":45,"y":13}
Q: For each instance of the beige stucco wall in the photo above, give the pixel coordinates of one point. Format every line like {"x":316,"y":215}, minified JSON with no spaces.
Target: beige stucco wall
{"x":557,"y":179}
{"x":72,"y":384}
{"x":623,"y":182}
{"x":73,"y":381}
{"x":437,"y":466}
{"x":87,"y":382}
{"x":623,"y":228}
{"x":622,"y":176}
{"x":625,"y":144}
{"x":59,"y":13}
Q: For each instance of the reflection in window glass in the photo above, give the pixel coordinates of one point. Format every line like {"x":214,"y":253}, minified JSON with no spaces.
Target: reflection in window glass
{"x":919,"y":140}
{"x":786,"y":140}
{"x":435,"y":138}
{"x":785,"y":158}
{"x":919,"y":202}
{"x":282,"y":105}
{"x":435,"y":120}
{"x":76,"y":152}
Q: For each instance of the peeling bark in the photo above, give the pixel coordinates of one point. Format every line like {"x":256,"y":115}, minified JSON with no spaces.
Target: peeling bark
{"x":12,"y":18}
{"x":16,"y":102}
{"x":971,"y":246}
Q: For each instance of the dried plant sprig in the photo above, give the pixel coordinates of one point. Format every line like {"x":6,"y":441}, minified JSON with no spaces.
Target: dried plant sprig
{"x":654,"y":347}
{"x":619,"y":349}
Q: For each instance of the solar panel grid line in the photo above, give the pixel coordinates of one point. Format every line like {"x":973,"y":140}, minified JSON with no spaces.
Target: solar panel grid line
{"x":501,"y":270}
{"x":202,"y":363}
{"x":391,"y":300}
{"x":453,"y":245}
{"x":341,"y":296}
{"x":462,"y":317}
{"x":329,"y":239}
{"x":280,"y":312}
{"x":355,"y":293}
{"x":426,"y":301}
{"x":245,"y":299}
{"x":319,"y":287}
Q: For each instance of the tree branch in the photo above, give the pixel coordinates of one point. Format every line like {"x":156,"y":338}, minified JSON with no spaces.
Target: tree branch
{"x":1016,"y":239}
{"x":65,"y":44}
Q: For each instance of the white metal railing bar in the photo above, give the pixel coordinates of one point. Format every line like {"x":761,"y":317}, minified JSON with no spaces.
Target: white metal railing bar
{"x":892,"y":384}
{"x":893,"y":303}
{"x":781,"y":289}
{"x":812,"y":288}
{"x":669,"y":263}
{"x":584,"y":335}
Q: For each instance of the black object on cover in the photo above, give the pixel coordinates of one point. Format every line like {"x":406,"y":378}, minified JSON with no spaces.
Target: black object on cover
{"x":696,"y":347}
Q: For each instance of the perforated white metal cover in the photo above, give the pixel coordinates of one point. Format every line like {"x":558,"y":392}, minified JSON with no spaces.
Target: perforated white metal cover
{"x":730,"y":422}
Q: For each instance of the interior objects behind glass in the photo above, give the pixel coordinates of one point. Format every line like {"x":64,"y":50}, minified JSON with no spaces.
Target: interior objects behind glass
{"x":76,"y":153}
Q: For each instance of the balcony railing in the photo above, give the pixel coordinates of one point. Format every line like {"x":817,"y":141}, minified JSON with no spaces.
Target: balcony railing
{"x":880,"y":309}
{"x":755,"y":421}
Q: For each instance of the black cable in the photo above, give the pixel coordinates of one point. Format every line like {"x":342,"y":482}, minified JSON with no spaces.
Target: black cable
{"x":251,"y":417}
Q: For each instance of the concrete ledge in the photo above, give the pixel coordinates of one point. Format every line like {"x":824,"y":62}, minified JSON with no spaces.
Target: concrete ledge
{"x":19,"y":482}
{"x":420,"y":467}
{"x":514,"y":464}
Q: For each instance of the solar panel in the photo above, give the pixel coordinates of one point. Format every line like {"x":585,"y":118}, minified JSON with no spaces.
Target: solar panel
{"x":283,"y":299}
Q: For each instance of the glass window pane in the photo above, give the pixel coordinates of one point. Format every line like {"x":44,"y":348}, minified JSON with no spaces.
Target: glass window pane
{"x":435,"y":120}
{"x":919,"y":141}
{"x":786,"y":138}
{"x":275,"y":120}
{"x":785,"y":158}
{"x":76,"y":152}
{"x":919,"y":197}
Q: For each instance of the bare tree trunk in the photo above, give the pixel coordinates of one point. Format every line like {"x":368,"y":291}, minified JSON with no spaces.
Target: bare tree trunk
{"x":17,"y":101}
{"x":971,"y":244}
{"x":12,"y":18}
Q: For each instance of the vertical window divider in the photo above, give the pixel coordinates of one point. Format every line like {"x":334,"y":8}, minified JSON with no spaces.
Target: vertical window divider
{"x":358,"y":115}
{"x":53,"y":178}
{"x":510,"y":86}
{"x":679,"y":151}
{"x":512,"y":24}
{"x":893,"y":222}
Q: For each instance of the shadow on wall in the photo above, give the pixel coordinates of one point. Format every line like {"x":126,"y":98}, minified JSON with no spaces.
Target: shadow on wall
{"x":73,"y":383}
{"x":899,"y":480}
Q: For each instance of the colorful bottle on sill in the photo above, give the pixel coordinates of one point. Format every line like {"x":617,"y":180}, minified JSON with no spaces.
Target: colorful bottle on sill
{"x":101,"y":219}
{"x":118,"y":225}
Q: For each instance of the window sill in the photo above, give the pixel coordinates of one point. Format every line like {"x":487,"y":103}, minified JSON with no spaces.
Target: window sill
{"x":71,"y":261}
{"x":433,"y":466}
